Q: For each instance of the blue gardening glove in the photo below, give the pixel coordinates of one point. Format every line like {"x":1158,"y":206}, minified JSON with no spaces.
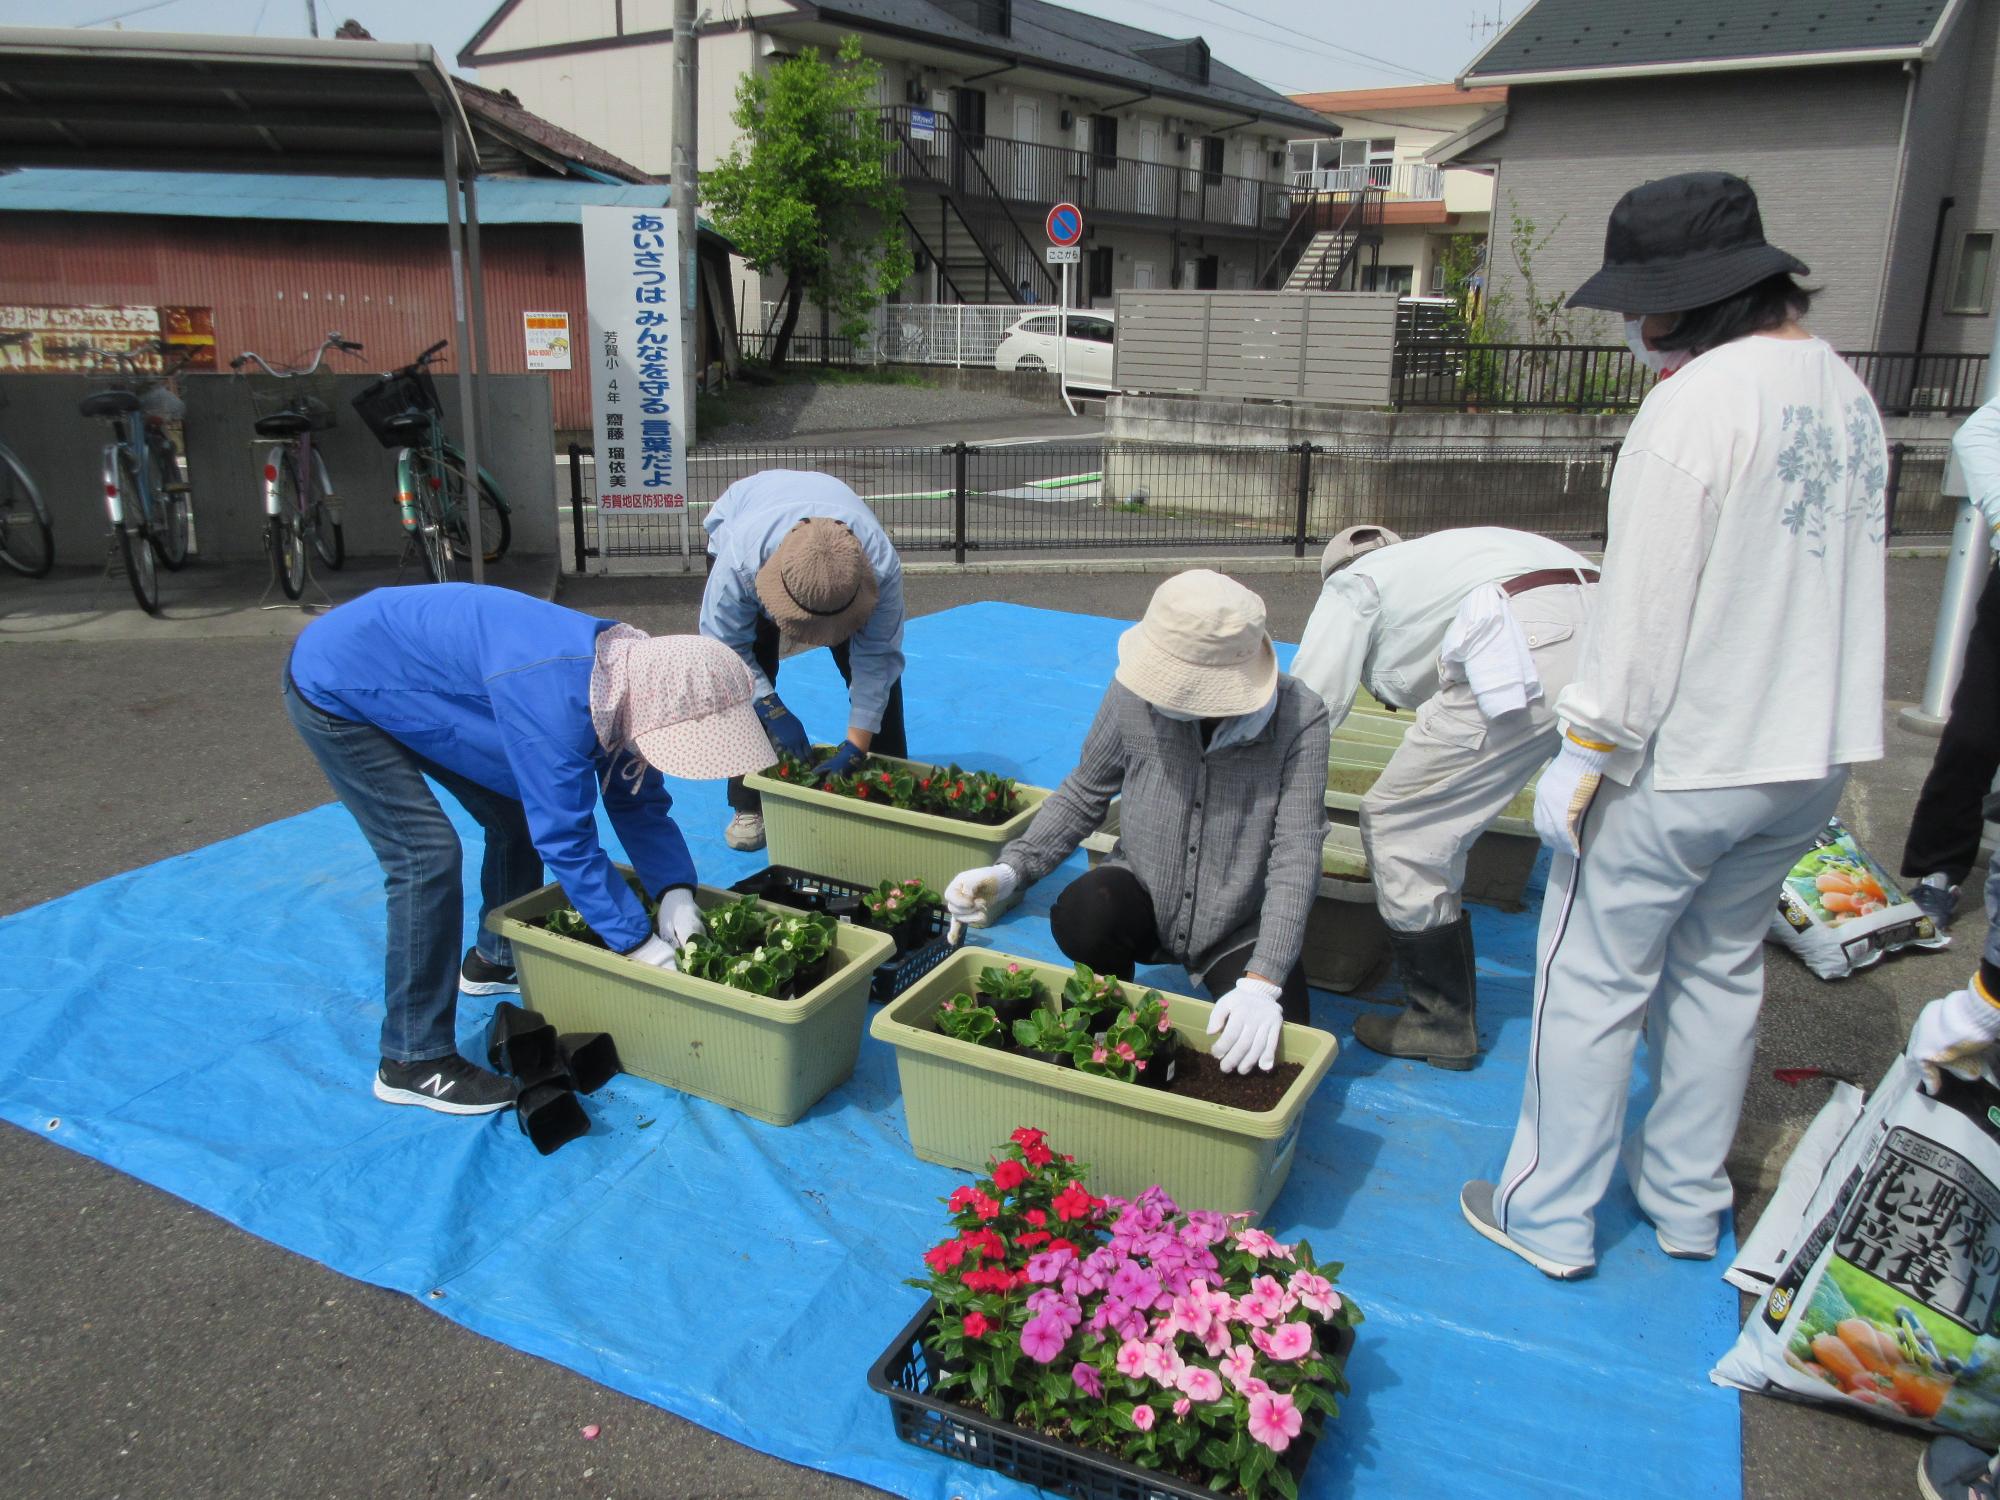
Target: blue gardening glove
{"x":783,"y":726}
{"x":841,"y":762}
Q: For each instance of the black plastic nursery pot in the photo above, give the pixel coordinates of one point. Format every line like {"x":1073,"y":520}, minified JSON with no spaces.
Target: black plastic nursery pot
{"x":520,"y":1043}
{"x":550,"y":1116}
{"x":1009,"y":1011}
{"x":908,"y":1370}
{"x":925,"y":945}
{"x":592,"y":1057}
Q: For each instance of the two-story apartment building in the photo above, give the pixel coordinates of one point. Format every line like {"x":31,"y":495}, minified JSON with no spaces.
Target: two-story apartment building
{"x":997,"y":108}
{"x":1383,"y":135}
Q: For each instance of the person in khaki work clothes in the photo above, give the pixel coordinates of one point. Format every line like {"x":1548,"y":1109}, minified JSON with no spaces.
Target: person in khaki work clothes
{"x":1476,"y":629}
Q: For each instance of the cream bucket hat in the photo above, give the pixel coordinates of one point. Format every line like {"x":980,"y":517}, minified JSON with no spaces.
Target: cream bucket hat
{"x":1201,"y":649}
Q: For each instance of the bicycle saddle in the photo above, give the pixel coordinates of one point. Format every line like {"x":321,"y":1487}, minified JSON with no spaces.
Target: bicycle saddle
{"x":108,"y":403}
{"x":284,"y":424}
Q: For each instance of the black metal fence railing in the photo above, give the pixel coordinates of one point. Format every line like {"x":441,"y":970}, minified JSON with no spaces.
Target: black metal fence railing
{"x":1061,"y":499}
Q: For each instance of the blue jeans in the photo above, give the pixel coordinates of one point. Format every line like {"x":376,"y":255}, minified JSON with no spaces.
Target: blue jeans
{"x":381,"y":781}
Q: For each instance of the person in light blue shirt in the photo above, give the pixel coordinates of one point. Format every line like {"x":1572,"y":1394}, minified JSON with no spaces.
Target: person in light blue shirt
{"x":529,"y":714}
{"x":799,"y":556}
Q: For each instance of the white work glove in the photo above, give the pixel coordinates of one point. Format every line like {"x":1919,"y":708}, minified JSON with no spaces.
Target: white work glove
{"x":679,"y":918}
{"x":1956,"y":1033}
{"x":657,"y":952}
{"x":1249,"y":1018}
{"x":1563,"y":795}
{"x":973,"y":894}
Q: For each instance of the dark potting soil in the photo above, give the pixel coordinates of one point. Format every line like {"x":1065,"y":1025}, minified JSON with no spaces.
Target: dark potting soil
{"x":1200,"y":1076}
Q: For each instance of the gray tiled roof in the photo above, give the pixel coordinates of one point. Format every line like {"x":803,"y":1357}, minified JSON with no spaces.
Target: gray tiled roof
{"x":1556,"y":35}
{"x":1053,"y":36}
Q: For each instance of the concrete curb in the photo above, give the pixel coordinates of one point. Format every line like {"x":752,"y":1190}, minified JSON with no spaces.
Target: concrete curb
{"x":1162,"y":564}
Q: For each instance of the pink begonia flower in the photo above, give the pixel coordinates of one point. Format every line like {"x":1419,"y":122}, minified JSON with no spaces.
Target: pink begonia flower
{"x":1124,"y":1050}
{"x":1043,"y":1339}
{"x":1287,"y":1342}
{"x":1142,"y":1418}
{"x":1238,"y":1364}
{"x":1315,"y":1292}
{"x":1132,"y":1358}
{"x":1274,"y":1421}
{"x":1200,"y":1384}
{"x":1013,"y":968}
{"x":1182,"y":1407}
{"x":1166,"y":1024}
{"x":1088,"y":1381}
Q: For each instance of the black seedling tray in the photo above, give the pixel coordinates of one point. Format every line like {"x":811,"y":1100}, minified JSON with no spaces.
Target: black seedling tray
{"x":841,"y":899}
{"x":906,"y":1372}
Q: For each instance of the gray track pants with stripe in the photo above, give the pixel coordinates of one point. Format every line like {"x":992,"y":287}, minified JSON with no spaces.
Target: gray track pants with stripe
{"x":1660,"y":924}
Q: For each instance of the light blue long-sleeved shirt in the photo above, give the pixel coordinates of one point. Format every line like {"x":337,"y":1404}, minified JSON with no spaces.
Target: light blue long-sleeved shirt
{"x":745,"y":527}
{"x":1976,"y":445}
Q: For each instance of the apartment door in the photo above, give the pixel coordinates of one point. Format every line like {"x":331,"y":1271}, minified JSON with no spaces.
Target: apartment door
{"x":1031,"y":183}
{"x":1149,"y":169}
{"x":1252,"y":175}
{"x":1142,"y":276}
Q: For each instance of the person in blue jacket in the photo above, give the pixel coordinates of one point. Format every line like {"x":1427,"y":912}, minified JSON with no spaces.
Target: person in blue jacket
{"x":799,"y":556}
{"x":528,"y":714}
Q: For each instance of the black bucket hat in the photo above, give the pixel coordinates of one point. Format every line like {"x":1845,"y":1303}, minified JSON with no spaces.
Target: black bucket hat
{"x":1683,"y":242}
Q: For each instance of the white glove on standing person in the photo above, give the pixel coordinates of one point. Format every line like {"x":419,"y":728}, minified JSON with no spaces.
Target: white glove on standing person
{"x":679,"y":918}
{"x":973,"y":894}
{"x":1563,"y":795}
{"x":1250,"y":1020}
{"x":1957,"y":1033}
{"x":658,"y":952}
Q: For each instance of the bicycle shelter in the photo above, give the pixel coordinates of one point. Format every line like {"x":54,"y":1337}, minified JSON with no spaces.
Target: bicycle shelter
{"x":170,"y":101}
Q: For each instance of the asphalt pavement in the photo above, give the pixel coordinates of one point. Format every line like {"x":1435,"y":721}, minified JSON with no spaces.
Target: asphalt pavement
{"x":152,"y":1349}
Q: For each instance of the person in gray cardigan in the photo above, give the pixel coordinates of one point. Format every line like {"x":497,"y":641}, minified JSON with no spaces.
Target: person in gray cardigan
{"x":1220,"y":761}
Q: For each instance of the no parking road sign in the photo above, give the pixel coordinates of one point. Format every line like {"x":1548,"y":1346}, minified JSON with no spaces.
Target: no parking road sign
{"x":1065,"y":224}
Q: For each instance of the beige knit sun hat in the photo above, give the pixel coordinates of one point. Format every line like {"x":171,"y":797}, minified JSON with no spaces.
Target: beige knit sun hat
{"x":1352,"y":543}
{"x":1201,"y":649}
{"x":817,"y":585}
{"x":687,"y":709}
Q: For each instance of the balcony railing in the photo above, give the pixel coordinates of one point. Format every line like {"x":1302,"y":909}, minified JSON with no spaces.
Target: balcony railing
{"x":1409,"y":180}
{"x":932,"y":151}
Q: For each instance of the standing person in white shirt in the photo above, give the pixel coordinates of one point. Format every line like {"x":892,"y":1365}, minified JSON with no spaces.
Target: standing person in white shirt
{"x":1729,"y":675}
{"x":1476,"y":629}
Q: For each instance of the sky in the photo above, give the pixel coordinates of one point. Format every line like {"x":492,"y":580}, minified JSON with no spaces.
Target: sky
{"x":1369,"y":46}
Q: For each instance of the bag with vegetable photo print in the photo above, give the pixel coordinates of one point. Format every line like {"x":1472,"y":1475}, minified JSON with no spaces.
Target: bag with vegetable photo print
{"x":1839,"y":911}
{"x":1888,"y":1300}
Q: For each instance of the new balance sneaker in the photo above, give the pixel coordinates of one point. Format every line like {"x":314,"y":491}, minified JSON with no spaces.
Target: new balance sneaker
{"x":1936,"y":898}
{"x":479,"y":975}
{"x":449,"y":1085}
{"x":745,"y":831}
{"x":1475,"y":1201}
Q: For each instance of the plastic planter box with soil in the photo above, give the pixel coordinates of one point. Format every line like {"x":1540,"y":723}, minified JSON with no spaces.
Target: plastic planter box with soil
{"x":959,"y":1097}
{"x":864,"y":842}
{"x":772,"y":1059}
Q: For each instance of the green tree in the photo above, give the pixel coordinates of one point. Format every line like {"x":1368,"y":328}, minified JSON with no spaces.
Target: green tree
{"x":810,"y":192}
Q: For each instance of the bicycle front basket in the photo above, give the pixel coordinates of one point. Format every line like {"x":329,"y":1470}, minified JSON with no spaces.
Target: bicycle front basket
{"x":389,"y":404}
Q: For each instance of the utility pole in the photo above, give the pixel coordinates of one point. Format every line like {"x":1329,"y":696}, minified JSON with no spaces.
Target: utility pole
{"x":312,"y":18}
{"x":685,"y":189}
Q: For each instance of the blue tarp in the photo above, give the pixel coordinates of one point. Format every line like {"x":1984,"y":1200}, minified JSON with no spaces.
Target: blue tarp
{"x":208,"y":1025}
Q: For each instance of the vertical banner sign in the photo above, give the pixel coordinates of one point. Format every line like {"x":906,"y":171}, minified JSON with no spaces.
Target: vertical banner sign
{"x":631,"y":268}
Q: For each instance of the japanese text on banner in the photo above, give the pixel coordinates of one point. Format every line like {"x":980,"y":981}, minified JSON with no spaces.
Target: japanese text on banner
{"x":632,"y":274}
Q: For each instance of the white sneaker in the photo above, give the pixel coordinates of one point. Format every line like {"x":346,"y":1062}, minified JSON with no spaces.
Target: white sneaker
{"x":1475,"y":1201}
{"x":745,"y":831}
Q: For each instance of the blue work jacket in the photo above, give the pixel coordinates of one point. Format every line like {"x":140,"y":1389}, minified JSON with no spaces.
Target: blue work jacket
{"x":495,"y":685}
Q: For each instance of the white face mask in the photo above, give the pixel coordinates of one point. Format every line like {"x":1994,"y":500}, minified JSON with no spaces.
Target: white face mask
{"x":1659,"y":361}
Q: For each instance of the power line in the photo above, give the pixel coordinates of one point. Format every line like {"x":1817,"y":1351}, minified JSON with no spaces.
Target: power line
{"x":126,"y":15}
{"x":1209,"y":23}
{"x":1311,"y":37}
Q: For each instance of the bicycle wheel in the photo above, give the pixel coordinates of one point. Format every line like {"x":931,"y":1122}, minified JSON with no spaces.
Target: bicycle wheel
{"x":495,"y":530}
{"x":27,"y":542}
{"x":171,"y":527}
{"x":432,"y":540}
{"x":135,"y":544}
{"x":284,"y":535}
{"x":327,"y":538}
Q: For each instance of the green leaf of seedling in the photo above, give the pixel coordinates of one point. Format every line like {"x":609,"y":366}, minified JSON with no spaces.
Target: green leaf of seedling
{"x":1282,"y":1481}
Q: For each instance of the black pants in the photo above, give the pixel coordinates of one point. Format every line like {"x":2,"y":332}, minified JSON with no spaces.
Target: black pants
{"x":1105,"y":919}
{"x":890,"y":739}
{"x":1944,"y":829}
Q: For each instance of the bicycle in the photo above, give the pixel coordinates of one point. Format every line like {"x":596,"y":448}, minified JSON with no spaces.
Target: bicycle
{"x":145,"y":491}
{"x":403,"y":411}
{"x":27,"y":539}
{"x":298,"y":493}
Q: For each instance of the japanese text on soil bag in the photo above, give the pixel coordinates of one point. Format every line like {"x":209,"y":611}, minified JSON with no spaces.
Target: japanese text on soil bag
{"x":632,"y":272}
{"x":1928,"y":1225}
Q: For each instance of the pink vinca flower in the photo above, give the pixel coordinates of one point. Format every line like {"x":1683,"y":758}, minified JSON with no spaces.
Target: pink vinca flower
{"x":1048,"y":1266}
{"x":1132,"y":1358}
{"x":1088,"y":1381}
{"x":1315,"y":1292}
{"x":1215,"y":1342}
{"x":1274,"y":1421}
{"x":1255,"y":1241}
{"x":1238,"y":1364}
{"x":1288,"y":1342}
{"x":1200,"y":1384}
{"x":1182,"y":1407}
{"x":1142,"y":1418}
{"x":1163,"y":1364}
{"x":1274,"y":1294}
{"x":1043,"y":1339}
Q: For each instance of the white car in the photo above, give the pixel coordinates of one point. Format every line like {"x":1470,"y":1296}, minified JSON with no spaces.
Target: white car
{"x":1030,"y":344}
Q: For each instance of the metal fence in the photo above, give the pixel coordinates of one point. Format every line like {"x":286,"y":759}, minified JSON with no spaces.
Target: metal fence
{"x":1052,"y":500}
{"x":963,"y":334}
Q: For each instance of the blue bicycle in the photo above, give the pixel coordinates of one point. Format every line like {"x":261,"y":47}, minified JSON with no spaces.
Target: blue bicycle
{"x":145,"y":491}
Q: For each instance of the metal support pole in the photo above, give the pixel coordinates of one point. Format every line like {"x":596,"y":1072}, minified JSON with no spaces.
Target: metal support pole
{"x":576,"y":507}
{"x":687,"y":226}
{"x":958,"y":452}
{"x":1892,"y":488}
{"x":482,"y":367}
{"x":467,"y":392}
{"x":1305,"y":453}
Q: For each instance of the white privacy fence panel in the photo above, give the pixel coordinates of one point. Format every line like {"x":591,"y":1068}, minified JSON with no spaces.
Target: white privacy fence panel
{"x":928,"y":333}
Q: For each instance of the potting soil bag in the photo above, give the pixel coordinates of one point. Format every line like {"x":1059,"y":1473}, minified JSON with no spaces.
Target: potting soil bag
{"x":1839,"y":911}
{"x":1778,"y":1228}
{"x":1889,"y":1300}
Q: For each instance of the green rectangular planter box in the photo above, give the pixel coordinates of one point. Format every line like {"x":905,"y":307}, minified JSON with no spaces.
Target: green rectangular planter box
{"x":771,"y":1059}
{"x":962,"y":1101}
{"x":849,"y":839}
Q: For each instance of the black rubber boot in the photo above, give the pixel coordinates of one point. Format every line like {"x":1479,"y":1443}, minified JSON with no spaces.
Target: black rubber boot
{"x":1438,"y":1023}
